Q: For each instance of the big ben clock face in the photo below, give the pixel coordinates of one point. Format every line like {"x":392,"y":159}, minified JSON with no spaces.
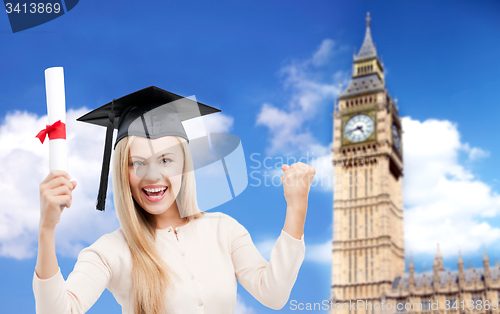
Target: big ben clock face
{"x":396,"y":139}
{"x":358,"y":128}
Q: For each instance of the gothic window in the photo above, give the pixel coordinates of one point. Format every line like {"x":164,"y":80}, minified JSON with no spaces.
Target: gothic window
{"x":371,"y":221}
{"x":371,"y":182}
{"x":350,"y":184}
{"x":366,"y":267}
{"x":365,"y":183}
{"x":451,"y":303}
{"x":366,"y":223}
{"x":350,"y":224}
{"x":426,"y":304}
{"x":477,"y":298}
{"x":355,"y":183}
{"x":372,"y":264}
{"x":355,"y":268}
{"x":400,"y":305}
{"x":350,"y":268}
{"x":355,"y":225}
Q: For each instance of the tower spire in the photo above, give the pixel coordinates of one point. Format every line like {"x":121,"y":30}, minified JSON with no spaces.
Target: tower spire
{"x":368,"y":72}
{"x":367,"y":50}
{"x":411,"y":279}
{"x":486,"y":265}
{"x":461,"y":271}
{"x":438,"y":260}
{"x":485,"y":256}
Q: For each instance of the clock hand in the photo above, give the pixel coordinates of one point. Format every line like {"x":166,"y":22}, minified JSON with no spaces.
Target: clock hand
{"x":355,"y":129}
{"x":350,"y":131}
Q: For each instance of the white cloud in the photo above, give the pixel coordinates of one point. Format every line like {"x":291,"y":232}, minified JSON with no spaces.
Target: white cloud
{"x":319,"y":253}
{"x":324,"y":53}
{"x":475,"y":152}
{"x":241,"y":308}
{"x":308,"y":92}
{"x":288,"y":124}
{"x":323,"y":179}
{"x":214,"y":123}
{"x":286,"y":129}
{"x":218,"y":123}
{"x":444,"y":201}
{"x":25,"y":164}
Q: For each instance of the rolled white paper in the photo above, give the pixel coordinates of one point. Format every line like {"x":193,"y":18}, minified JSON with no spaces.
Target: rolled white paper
{"x":56,"y":110}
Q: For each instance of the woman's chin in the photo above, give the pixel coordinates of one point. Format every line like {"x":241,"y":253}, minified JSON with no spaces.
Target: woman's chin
{"x":157,"y":208}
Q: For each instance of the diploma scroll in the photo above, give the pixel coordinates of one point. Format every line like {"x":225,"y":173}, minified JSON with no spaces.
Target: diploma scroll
{"x":56,"y":110}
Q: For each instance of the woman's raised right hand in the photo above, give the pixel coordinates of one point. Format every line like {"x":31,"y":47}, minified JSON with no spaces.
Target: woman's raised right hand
{"x":55,"y":190}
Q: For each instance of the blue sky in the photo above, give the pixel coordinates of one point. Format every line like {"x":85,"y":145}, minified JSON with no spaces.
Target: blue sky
{"x":441,"y":63}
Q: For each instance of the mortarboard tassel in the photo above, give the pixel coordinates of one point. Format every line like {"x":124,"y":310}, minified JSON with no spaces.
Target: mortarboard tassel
{"x":103,"y":186}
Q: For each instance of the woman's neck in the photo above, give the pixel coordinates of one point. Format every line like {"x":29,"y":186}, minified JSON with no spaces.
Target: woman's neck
{"x":170,"y":218}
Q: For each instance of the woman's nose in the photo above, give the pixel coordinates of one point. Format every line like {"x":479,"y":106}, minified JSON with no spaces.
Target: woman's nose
{"x":151,"y":172}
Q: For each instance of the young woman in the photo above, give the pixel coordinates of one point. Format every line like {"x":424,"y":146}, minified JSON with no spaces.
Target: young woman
{"x":167,"y":256}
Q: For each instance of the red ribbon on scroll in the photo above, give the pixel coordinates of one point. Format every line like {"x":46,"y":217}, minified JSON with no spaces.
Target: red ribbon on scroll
{"x":54,"y":131}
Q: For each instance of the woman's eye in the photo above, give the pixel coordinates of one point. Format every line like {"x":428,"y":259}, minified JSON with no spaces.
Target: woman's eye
{"x":137,"y":163}
{"x":166,"y":160}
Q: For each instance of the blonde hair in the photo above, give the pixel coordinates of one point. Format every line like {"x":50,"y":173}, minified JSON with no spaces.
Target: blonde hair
{"x":151,"y":275}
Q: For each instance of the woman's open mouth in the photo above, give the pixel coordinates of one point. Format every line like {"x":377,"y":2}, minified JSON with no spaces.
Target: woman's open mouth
{"x":155,"y":193}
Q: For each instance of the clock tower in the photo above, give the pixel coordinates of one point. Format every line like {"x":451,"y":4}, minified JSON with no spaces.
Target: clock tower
{"x":368,"y":240}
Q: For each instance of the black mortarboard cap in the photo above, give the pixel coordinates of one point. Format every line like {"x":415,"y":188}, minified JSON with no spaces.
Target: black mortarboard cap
{"x":150,"y":112}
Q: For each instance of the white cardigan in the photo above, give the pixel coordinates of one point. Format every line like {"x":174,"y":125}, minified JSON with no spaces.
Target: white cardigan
{"x":208,"y":254}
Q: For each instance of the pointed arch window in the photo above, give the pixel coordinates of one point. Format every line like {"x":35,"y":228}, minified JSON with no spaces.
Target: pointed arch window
{"x":350,"y":225}
{"x":355,"y":183}
{"x":350,"y":268}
